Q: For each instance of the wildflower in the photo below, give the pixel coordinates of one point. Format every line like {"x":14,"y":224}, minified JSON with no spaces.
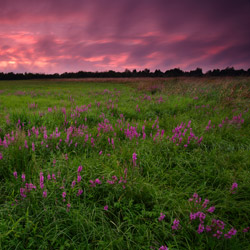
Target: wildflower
{"x":200,"y":228}
{"x":192,"y":216}
{"x":211,"y":209}
{"x":1,"y":156}
{"x":114,"y":177}
{"x":73,"y":183}
{"x":175,"y":224}
{"x":245,"y":230}
{"x":106,"y":208}
{"x":45,"y":193}
{"x":80,"y":191}
{"x":231,"y":232}
{"x":79,"y":169}
{"x":162,"y":216}
{"x":64,"y":194}
{"x":68,"y":205}
{"x":15,"y":174}
{"x":163,"y":248}
{"x":204,"y":205}
{"x":23,"y":177}
{"x":22,"y":192}
{"x":100,"y":152}
{"x":66,"y":157}
{"x":33,"y":146}
{"x":202,"y":217}
{"x":234,"y":186}
{"x":134,"y":157}
{"x":98,"y":181}
{"x":41,"y":180}
{"x":49,"y":177}
{"x":92,"y":183}
{"x":79,"y":177}
{"x":208,"y":228}
{"x":217,"y":234}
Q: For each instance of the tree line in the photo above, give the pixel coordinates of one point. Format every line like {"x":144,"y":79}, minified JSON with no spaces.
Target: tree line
{"x":176,"y":72}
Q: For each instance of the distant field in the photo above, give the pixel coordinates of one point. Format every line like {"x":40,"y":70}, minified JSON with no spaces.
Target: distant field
{"x":125,"y":164}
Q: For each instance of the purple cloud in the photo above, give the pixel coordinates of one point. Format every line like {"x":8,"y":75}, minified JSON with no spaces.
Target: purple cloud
{"x":59,"y":35}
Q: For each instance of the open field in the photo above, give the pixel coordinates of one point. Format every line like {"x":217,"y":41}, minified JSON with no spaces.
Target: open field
{"x":125,"y":164}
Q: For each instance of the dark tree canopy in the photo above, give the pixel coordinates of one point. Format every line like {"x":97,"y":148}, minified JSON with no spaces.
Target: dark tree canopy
{"x":176,"y":72}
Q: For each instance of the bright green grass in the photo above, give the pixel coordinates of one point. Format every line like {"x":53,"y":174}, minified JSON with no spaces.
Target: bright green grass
{"x":165,"y":177}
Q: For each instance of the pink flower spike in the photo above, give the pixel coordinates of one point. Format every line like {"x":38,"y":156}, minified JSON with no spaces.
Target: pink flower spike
{"x":106,"y":208}
{"x":64,"y":194}
{"x":45,"y":193}
{"x":79,"y":169}
{"x":163,"y":248}
{"x":98,"y":181}
{"x":175,"y":224}
{"x":15,"y":174}
{"x":162,"y":216}
{"x":73,"y":183}
{"x":80,"y":191}
{"x":211,"y":209}
{"x":234,"y":186}
{"x":79,"y":177}
{"x":134,"y":157}
{"x":200,"y":228}
{"x":204,"y":205}
{"x":23,"y":177}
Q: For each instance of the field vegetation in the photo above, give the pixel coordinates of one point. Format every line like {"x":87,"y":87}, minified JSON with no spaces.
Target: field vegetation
{"x":125,"y":164}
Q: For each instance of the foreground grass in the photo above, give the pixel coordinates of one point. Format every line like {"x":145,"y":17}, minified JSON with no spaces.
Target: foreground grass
{"x":126,"y":136}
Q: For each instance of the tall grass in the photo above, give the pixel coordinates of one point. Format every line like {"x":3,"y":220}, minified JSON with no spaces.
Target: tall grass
{"x":125,"y":164}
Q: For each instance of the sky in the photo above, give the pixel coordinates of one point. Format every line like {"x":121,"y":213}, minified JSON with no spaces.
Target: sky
{"x":56,"y":36}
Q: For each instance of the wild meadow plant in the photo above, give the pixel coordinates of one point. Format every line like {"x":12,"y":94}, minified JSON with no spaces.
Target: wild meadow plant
{"x":111,"y":165}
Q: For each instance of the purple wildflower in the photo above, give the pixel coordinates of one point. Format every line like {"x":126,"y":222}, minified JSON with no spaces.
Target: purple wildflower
{"x":204,"y":205}
{"x":98,"y":181}
{"x":211,"y":209}
{"x":200,"y":228}
{"x":162,"y":216}
{"x":15,"y":174}
{"x":80,"y":191}
{"x":33,"y":146}
{"x":64,"y":194}
{"x":73,"y":183}
{"x":79,"y":177}
{"x":22,"y":192}
{"x":163,"y":248}
{"x":217,"y":234}
{"x":231,"y":232}
{"x":79,"y":169}
{"x":45,"y":193}
{"x":106,"y":208}
{"x":134,"y":157}
{"x":234,"y":186}
{"x":176,"y":224}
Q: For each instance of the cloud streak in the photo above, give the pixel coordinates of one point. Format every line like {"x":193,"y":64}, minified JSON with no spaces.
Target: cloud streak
{"x":58,"y":36}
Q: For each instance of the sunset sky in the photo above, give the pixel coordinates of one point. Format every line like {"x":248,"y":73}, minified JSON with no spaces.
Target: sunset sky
{"x":50,"y":36}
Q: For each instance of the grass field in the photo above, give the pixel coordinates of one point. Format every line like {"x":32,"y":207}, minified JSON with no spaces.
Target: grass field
{"x":125,"y":164}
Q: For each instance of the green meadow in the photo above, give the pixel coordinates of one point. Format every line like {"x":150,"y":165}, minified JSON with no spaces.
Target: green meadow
{"x":125,"y":164}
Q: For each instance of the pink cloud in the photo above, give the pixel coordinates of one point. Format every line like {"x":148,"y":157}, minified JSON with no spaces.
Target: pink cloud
{"x":59,"y":35}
